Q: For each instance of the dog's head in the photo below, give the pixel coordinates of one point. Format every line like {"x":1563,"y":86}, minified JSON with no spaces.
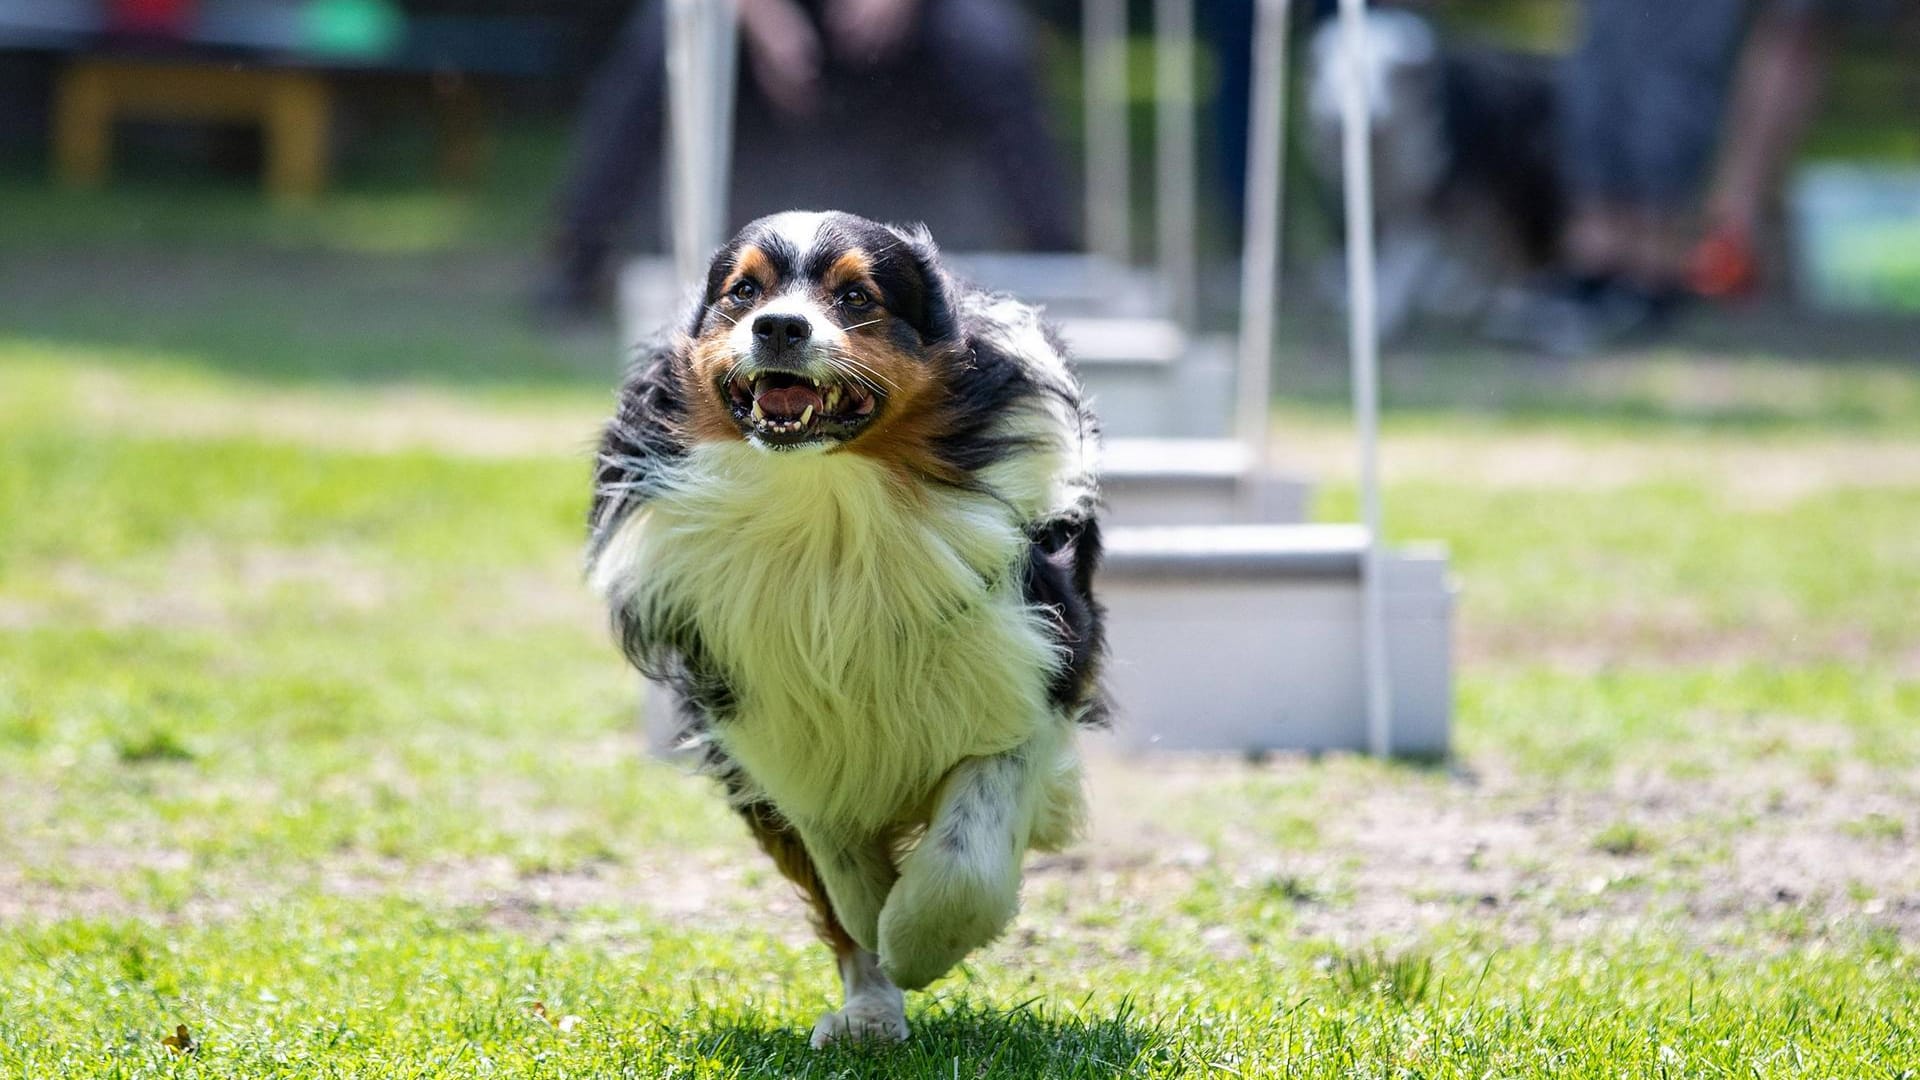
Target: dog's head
{"x":1399,"y":63}
{"x":1402,"y":72}
{"x":814,"y":331}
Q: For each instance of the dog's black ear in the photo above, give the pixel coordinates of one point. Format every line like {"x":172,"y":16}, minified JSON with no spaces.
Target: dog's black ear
{"x":927,"y":302}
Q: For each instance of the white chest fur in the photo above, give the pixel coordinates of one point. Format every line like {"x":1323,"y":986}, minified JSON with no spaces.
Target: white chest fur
{"x":873,"y":631}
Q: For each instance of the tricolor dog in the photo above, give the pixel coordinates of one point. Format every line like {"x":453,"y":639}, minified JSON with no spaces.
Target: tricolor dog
{"x":847,"y":512}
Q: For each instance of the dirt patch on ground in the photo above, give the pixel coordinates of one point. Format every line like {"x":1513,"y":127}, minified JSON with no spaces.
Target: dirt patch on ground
{"x":1756,"y":854}
{"x":1712,"y":857}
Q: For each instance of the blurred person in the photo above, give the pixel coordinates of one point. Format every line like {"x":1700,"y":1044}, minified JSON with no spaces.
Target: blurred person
{"x":1781,"y":73}
{"x":1227,"y":28}
{"x":1641,"y":106}
{"x":976,"y":52}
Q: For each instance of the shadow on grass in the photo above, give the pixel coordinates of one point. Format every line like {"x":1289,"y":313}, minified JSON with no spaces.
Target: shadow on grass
{"x":1027,"y":1040}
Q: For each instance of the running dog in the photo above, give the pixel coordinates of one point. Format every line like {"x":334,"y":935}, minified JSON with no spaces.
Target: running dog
{"x":847,"y":513}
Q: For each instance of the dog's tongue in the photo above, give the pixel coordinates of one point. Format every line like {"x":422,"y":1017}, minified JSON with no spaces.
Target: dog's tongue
{"x":788,"y":402}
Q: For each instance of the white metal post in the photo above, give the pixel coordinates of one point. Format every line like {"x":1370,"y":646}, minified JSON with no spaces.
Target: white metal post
{"x":1260,"y":246}
{"x":723,"y":41}
{"x":1364,"y":349}
{"x":1103,"y":40}
{"x":683,"y":111}
{"x":701,"y":48}
{"x":1173,"y":130}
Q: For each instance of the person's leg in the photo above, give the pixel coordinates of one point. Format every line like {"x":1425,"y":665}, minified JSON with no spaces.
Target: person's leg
{"x":1779,"y":84}
{"x":1593,"y":158}
{"x":1227,"y":28}
{"x":1640,"y":109}
{"x":979,"y":53}
{"x":617,"y":139}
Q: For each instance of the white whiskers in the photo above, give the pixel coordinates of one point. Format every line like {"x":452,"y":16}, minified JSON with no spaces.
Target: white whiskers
{"x":859,"y":372}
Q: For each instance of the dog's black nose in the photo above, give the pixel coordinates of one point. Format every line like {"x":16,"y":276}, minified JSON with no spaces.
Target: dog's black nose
{"x":782,"y":332}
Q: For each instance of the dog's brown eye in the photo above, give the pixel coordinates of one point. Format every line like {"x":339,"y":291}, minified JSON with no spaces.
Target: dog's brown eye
{"x":856,"y":298}
{"x":744,"y":289}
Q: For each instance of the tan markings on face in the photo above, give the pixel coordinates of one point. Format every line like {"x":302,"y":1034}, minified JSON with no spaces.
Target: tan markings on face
{"x":852,"y":268}
{"x":706,"y":359}
{"x":751,"y":263}
{"x":915,"y":414}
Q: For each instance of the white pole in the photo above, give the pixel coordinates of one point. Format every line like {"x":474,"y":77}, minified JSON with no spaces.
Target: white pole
{"x":1174,"y":144}
{"x":701,"y":48}
{"x":1103,"y":39}
{"x":1364,"y":349}
{"x":724,"y":42}
{"x":683,"y":154}
{"x":1260,"y":246}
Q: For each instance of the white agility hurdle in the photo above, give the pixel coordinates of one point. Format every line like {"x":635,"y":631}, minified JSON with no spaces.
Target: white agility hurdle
{"x":1229,"y":627}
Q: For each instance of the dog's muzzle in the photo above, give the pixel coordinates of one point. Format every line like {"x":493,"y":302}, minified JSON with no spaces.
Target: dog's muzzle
{"x":784,"y":408}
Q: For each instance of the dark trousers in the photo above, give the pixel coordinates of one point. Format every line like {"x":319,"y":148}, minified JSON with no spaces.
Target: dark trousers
{"x":975,"y":54}
{"x":1643,"y":96}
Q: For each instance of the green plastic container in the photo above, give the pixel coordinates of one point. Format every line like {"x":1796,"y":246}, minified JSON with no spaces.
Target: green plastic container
{"x":352,"y":29}
{"x":1856,"y":237}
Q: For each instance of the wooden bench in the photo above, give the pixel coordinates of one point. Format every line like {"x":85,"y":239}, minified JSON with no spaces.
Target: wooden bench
{"x":292,"y":106}
{"x":238,"y":72}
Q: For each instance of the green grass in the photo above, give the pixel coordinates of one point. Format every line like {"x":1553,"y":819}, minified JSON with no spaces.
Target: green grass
{"x":395,"y":991}
{"x":384,"y":279}
{"x":379,"y":204}
{"x":312,"y":742}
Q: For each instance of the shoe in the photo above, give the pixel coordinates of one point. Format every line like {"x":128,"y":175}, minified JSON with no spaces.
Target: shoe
{"x":1724,"y":265}
{"x":1570,"y":316}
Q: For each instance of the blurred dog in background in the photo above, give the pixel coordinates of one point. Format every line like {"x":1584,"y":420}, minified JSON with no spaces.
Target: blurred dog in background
{"x":1467,"y":193}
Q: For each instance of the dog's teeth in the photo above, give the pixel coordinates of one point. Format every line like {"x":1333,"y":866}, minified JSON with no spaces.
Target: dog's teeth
{"x":757,"y":414}
{"x":806,"y":416}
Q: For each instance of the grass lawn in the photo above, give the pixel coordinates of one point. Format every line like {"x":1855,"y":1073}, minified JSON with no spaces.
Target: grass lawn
{"x":312,"y":743}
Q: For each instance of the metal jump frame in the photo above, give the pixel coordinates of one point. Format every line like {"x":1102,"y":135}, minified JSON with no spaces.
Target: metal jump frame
{"x":702,"y":51}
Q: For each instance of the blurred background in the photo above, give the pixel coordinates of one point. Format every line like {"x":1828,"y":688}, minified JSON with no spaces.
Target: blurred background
{"x":1562,"y":180}
{"x":309,"y":310}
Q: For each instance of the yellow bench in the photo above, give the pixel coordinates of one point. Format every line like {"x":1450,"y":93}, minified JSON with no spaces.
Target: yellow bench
{"x":294,"y":109}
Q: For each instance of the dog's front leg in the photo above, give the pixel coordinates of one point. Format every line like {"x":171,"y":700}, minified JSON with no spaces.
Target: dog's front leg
{"x":856,"y":872}
{"x":961,"y":885}
{"x":875,"y":1010}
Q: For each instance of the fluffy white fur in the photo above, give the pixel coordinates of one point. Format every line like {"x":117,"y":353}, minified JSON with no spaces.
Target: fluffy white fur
{"x":1048,"y":481}
{"x":875,"y":632}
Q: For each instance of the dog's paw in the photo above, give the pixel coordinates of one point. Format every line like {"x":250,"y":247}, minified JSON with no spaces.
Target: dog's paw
{"x":873,"y":1019}
{"x":939,"y":912}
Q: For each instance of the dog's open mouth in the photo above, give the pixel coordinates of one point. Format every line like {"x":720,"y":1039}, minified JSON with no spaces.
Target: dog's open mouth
{"x":786,"y":409}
